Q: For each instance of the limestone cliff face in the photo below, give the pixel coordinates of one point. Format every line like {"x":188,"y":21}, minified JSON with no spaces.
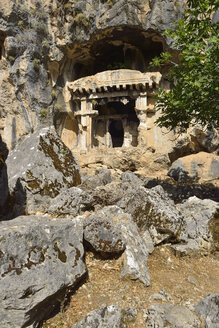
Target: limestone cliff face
{"x":46,"y":43}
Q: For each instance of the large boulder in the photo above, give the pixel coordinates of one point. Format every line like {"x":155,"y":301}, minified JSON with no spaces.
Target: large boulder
{"x":73,"y":201}
{"x":107,"y":317}
{"x":111,"y":231}
{"x":208,"y":310}
{"x":202,"y":166}
{"x":39,"y":169}
{"x":3,"y":175}
{"x":41,"y":260}
{"x":199,"y":231}
{"x":103,"y":235}
{"x":168,"y":315}
{"x":204,"y":139}
{"x":153,"y":210}
{"x":101,"y":178}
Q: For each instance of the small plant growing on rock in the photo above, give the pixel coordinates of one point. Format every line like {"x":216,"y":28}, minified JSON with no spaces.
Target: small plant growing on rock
{"x":53,"y":94}
{"x":43,"y":112}
{"x":36,"y":64}
{"x":45,"y":43}
{"x":58,"y":107}
{"x":11,"y":59}
{"x":20,"y":24}
{"x":110,"y":3}
{"x":80,"y":19}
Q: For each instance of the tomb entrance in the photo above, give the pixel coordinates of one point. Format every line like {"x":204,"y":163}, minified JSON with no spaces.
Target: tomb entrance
{"x":112,"y":107}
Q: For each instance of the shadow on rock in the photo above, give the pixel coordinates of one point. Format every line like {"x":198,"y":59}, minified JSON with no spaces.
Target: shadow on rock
{"x":4,"y":193}
{"x":179,"y":192}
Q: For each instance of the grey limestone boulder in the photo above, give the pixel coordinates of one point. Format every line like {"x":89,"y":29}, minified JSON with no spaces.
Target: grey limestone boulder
{"x":73,"y":201}
{"x":170,"y":316}
{"x":41,"y":260}
{"x":207,"y":140}
{"x":131,"y":177}
{"x":101,"y":178}
{"x":102,"y":235}
{"x":113,"y":230}
{"x":39,"y":169}
{"x":208,"y":310}
{"x":199,"y":231}
{"x":108,"y":317}
{"x":152,"y":210}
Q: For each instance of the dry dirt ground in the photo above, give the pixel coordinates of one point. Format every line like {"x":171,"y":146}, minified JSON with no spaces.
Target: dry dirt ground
{"x":185,"y":280}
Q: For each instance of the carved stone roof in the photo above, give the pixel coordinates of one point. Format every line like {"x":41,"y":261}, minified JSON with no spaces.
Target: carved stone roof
{"x":117,"y":79}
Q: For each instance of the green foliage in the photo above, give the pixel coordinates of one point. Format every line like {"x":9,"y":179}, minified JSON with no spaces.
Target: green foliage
{"x":195,"y":78}
{"x":110,"y":3}
{"x":45,"y":43}
{"x":43,"y":112}
{"x":36,"y":64}
{"x":21,"y":24}
{"x":80,"y":19}
{"x":11,"y":59}
{"x":53,"y":94}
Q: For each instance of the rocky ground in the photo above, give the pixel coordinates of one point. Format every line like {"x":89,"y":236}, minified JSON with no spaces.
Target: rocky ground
{"x":105,"y":248}
{"x":178,"y":281}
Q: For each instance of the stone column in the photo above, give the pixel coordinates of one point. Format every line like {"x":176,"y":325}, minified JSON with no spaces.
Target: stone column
{"x":108,"y":139}
{"x":141,"y":111}
{"x":127,"y":136}
{"x":86,"y":113}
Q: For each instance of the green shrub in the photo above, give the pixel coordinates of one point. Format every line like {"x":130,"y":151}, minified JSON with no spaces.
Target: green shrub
{"x":80,"y":19}
{"x":43,"y":112}
{"x":53,"y":94}
{"x":20,"y":24}
{"x":11,"y":59}
{"x":36,"y":64}
{"x":45,"y":43}
{"x":110,"y":3}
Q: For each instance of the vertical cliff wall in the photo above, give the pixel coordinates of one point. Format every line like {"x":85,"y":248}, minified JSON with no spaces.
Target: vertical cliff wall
{"x":44,"y":44}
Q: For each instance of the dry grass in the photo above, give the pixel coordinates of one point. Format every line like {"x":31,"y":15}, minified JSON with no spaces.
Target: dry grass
{"x":186,"y":280}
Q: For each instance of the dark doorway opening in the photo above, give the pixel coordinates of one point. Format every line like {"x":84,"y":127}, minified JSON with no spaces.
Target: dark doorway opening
{"x":117,"y":132}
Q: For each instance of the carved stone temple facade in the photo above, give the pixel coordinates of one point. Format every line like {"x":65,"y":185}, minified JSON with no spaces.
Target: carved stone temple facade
{"x":114,"y":108}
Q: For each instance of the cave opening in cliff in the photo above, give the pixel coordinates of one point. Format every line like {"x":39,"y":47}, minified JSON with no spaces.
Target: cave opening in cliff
{"x":118,"y":48}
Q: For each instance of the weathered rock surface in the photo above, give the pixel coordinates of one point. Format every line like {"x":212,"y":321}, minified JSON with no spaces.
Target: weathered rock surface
{"x":46,"y":167}
{"x":112,"y":230}
{"x":199,"y":231}
{"x":152,"y":210}
{"x":102,"y":235}
{"x":101,"y":178}
{"x":195,"y":140}
{"x":73,"y":201}
{"x":207,"y":140}
{"x":41,"y":260}
{"x":167,"y":315}
{"x":202,"y":166}
{"x":107,"y":317}
{"x":131,"y":178}
{"x":3,"y":175}
{"x":28,"y":33}
{"x":208,"y":310}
